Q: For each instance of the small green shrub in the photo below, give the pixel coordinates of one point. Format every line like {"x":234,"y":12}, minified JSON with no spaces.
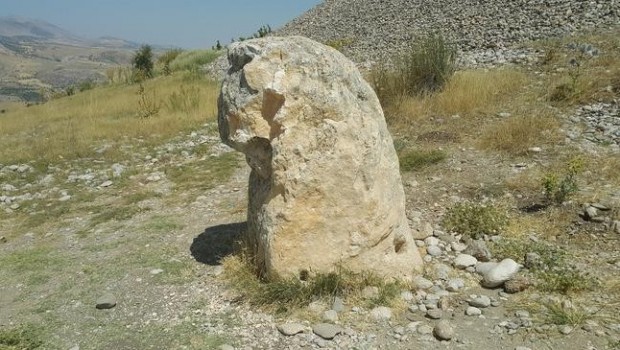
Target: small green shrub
{"x":564,"y":279}
{"x":558,"y":188}
{"x":558,"y":314}
{"x":429,"y":64}
{"x":417,"y":159}
{"x":475,"y":220}
{"x":425,"y":68}
{"x":166,"y":58}
{"x":143,"y":62}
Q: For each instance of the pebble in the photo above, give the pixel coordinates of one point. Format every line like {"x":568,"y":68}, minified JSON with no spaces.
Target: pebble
{"x":338,"y":304}
{"x":106,"y":184}
{"x":482,"y":301}
{"x":291,"y":328}
{"x":424,"y":329}
{"x":156,"y":271}
{"x":443,"y":330}
{"x":225,"y":347}
{"x":330,"y":316}
{"x":455,"y":284}
{"x":463,"y":261}
{"x":473,"y":311}
{"x":522,"y":314}
{"x":434,"y":314}
{"x":615,"y":226}
{"x":420,"y":282}
{"x":434,"y":250}
{"x":478,"y":249}
{"x":565,"y":329}
{"x":106,"y":301}
{"x":516,"y":284}
{"x":326,"y":330}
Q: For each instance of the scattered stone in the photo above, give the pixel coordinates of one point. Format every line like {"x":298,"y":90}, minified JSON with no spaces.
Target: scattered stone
{"x":326,"y":330}
{"x":225,"y":347}
{"x":434,"y":314}
{"x":481,"y":301}
{"x":535,"y":149}
{"x":420,"y":282}
{"x":458,"y":246}
{"x":291,"y":328}
{"x":443,"y":330}
{"x":156,"y":271}
{"x":565,"y":329}
{"x":532,"y":260}
{"x":263,"y":112}
{"x":117,"y":169}
{"x":107,"y":183}
{"x":499,"y":274}
{"x":338,"y":304}
{"x":330,"y":316}
{"x":381,"y":313}
{"x":590,"y":212}
{"x":2,"y":239}
{"x":463,"y":261}
{"x":517,"y":284}
{"x":64,"y":198}
{"x":430,"y":241}
{"x":455,"y":284}
{"x":106,"y":301}
{"x":434,"y":250}
{"x":424,"y":329}
{"x":522,"y":348}
{"x":478,"y":249}
{"x":473,"y":311}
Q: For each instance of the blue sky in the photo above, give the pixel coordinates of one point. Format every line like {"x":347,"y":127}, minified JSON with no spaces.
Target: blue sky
{"x":181,"y":23}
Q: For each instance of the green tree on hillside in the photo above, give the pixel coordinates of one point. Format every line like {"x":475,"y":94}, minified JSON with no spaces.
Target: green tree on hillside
{"x":143,"y":62}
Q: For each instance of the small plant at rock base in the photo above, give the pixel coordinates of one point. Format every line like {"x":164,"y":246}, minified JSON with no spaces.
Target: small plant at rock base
{"x":475,"y":220}
{"x":557,"y":190}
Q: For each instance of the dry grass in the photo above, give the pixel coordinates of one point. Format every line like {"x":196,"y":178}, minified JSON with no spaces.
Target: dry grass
{"x":76,"y":126}
{"x":468,"y":94}
{"x":517,"y":134}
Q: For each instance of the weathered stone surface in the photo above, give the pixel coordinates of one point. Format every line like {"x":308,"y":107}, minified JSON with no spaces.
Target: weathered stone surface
{"x":501,"y":273}
{"x":325,"y":186}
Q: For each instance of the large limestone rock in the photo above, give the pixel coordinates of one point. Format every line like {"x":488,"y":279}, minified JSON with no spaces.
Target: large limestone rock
{"x":325,"y":187}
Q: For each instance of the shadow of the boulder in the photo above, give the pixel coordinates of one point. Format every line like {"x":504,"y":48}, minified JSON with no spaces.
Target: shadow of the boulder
{"x":217,"y":242}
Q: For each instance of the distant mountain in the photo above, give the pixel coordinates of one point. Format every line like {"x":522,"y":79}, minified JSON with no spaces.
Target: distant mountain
{"x":25,"y":29}
{"x":38,"y":56}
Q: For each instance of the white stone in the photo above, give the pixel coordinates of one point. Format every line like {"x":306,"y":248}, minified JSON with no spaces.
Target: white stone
{"x":463,"y":261}
{"x":473,"y":311}
{"x":325,"y":186}
{"x":501,"y":273}
{"x":381,"y":313}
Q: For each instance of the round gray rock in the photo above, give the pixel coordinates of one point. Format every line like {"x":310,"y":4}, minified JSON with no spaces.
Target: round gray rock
{"x":381,"y":313}
{"x":291,"y":328}
{"x":480,"y":302}
{"x":106,"y":301}
{"x":463,"y":261}
{"x":326,"y":330}
{"x":473,"y":311}
{"x":443,"y":330}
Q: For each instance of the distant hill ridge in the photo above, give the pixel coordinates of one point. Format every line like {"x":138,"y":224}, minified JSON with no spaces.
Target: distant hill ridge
{"x":370,"y":29}
{"x":19,"y":29}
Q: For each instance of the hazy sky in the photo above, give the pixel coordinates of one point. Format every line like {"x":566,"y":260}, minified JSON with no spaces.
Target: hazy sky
{"x":182,"y":23}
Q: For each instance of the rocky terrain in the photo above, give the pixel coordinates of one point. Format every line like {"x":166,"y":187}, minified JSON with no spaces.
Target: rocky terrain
{"x":373,"y":30}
